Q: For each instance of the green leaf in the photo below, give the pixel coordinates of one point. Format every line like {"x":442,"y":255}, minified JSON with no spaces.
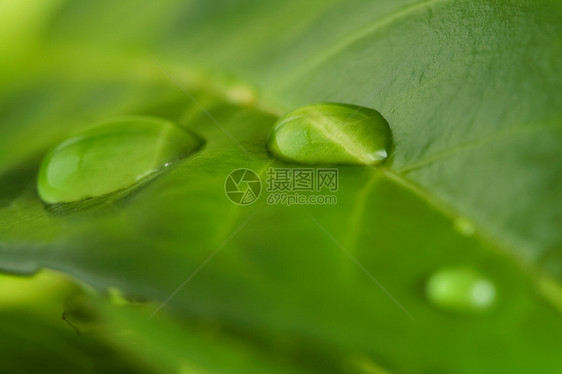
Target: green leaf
{"x":471,"y":91}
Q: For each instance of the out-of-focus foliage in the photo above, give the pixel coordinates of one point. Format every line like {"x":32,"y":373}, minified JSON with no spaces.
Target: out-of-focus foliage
{"x":472,"y":93}
{"x":35,"y":337}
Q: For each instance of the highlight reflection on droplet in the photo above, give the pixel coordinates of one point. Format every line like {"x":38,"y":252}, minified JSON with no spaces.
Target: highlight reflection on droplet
{"x":111,"y":156}
{"x":460,"y":289}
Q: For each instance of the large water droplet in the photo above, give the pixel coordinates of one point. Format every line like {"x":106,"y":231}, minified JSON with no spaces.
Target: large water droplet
{"x":111,"y":156}
{"x":460,"y":289}
{"x":331,"y":134}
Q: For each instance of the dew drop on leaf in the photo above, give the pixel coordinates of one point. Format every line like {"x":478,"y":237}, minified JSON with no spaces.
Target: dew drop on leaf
{"x":460,"y":289}
{"x":331,"y":133}
{"x":464,"y":226}
{"x":111,"y":156}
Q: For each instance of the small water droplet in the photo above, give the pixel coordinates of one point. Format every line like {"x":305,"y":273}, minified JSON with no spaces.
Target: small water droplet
{"x":331,"y":134}
{"x":464,"y":226}
{"x":241,"y":94}
{"x":460,"y":289}
{"x":111,"y":156}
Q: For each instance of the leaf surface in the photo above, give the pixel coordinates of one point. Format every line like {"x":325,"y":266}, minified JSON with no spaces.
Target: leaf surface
{"x":471,"y":91}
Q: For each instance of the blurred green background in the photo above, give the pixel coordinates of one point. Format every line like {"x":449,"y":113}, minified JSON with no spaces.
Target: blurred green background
{"x":472,"y":93}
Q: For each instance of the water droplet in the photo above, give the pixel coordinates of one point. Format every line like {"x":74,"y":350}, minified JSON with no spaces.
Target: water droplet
{"x":464,"y":226}
{"x":460,"y":289}
{"x":241,"y":94}
{"x":111,"y":156}
{"x":331,"y":134}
